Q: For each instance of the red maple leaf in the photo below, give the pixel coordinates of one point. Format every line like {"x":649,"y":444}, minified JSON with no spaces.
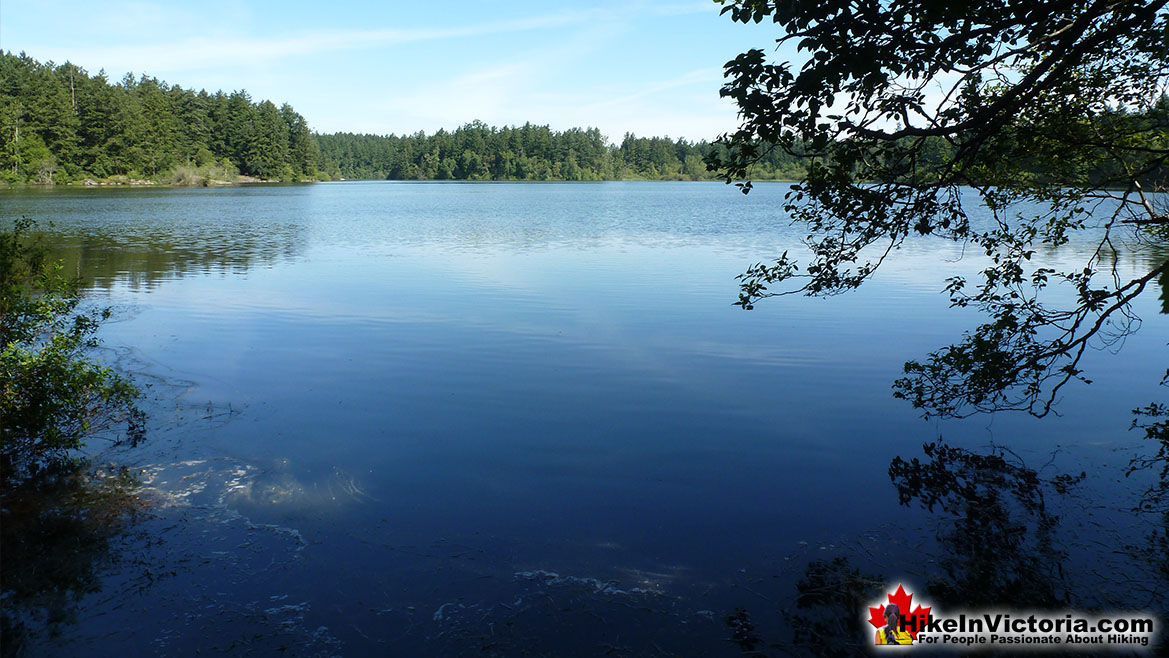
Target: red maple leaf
{"x":903,"y":600}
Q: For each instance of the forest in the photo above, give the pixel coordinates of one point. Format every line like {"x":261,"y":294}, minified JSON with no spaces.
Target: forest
{"x":476,"y":151}
{"x":61,"y":124}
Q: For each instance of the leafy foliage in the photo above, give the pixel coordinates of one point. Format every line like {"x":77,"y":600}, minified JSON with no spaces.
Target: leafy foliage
{"x":53,"y":396}
{"x":1052,"y":111}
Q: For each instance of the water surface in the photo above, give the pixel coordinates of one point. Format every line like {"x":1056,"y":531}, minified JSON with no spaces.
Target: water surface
{"x":452,"y":418}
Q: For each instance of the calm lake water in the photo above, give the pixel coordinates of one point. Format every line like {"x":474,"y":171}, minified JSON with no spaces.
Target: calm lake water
{"x":512,"y":419}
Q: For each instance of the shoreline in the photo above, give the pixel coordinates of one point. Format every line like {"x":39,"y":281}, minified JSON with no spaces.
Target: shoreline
{"x":125,"y":181}
{"x":249,"y":180}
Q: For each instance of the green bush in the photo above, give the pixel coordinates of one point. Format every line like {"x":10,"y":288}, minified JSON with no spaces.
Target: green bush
{"x":53,"y":395}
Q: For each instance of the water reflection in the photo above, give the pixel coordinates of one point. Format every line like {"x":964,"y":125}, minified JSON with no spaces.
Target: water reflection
{"x":57,"y":535}
{"x":1153,"y":421}
{"x":278,"y":490}
{"x":825,"y":619}
{"x":140,"y":237}
{"x":525,"y":419}
{"x":143,"y":260}
{"x":996,"y":533}
{"x":1163,"y":281}
{"x":999,"y":544}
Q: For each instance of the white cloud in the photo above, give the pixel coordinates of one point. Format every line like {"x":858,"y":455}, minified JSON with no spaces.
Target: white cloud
{"x":511,"y":93}
{"x":208,"y":52}
{"x":700,"y":76}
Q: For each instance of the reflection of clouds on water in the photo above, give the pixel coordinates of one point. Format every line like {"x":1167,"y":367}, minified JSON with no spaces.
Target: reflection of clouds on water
{"x":277,"y":486}
{"x":196,"y":578}
{"x":230,"y":488}
{"x":206,"y":573}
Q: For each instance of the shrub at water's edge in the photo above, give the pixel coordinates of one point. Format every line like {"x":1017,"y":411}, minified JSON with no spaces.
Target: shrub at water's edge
{"x":53,"y":395}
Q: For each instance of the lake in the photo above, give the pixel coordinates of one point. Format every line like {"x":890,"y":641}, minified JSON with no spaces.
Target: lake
{"x":511,"y":419}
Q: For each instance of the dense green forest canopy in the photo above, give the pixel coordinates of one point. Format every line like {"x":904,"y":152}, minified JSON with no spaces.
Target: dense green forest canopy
{"x":59,"y":123}
{"x":477,"y":151}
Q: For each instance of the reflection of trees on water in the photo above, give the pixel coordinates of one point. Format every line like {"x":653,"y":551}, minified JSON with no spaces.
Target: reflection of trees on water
{"x":999,"y":544}
{"x":1163,"y":281}
{"x":826,"y":617}
{"x":1153,"y":420}
{"x":57,"y":534}
{"x":144,"y":259}
{"x":996,"y":531}
{"x":830,"y":598}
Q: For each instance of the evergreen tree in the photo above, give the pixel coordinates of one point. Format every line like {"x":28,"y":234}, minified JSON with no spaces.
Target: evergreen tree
{"x":58,"y":123}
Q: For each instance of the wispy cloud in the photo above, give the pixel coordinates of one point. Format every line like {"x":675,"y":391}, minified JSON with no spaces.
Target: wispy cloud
{"x":206,"y":52}
{"x":644,"y":66}
{"x":168,"y":51}
{"x":504,"y":90}
{"x":700,"y":76}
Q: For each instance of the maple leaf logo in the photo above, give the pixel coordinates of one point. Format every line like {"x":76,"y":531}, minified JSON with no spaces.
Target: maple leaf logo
{"x":903,"y":600}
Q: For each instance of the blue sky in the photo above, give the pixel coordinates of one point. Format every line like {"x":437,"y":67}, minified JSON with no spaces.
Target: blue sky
{"x":650,"y":67}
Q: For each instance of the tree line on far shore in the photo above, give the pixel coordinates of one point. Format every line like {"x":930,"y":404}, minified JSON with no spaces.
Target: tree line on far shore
{"x":477,"y":151}
{"x":60,"y":124}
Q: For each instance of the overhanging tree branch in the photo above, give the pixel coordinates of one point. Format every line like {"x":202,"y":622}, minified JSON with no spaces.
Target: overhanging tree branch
{"x":1057,"y":102}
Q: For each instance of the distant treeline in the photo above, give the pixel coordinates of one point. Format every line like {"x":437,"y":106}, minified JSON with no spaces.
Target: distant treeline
{"x":60,"y":124}
{"x":1135,"y":132}
{"x":476,"y":151}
